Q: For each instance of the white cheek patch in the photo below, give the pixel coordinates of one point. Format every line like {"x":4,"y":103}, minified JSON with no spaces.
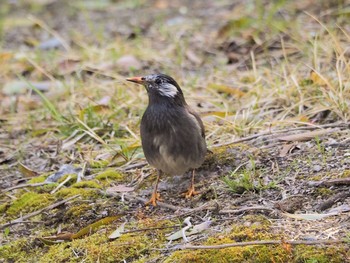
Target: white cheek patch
{"x":168,"y":90}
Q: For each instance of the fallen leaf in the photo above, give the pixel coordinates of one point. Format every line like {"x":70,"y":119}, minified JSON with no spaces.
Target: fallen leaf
{"x":195,"y":230}
{"x":26,"y":171}
{"x":92,"y":227}
{"x":118,"y":232}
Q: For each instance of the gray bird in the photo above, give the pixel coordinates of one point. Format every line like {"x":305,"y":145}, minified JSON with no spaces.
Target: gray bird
{"x":172,"y":134}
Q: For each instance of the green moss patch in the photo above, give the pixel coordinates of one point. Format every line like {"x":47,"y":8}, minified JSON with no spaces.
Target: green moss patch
{"x":29,"y":202}
{"x":110,"y":174}
{"x":84,"y":193}
{"x":87,"y":184}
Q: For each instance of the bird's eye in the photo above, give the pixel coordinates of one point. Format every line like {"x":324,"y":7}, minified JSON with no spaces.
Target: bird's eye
{"x":158,"y":81}
{"x":143,"y":78}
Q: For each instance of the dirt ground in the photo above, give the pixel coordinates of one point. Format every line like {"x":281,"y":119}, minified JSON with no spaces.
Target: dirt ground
{"x":271,"y":81}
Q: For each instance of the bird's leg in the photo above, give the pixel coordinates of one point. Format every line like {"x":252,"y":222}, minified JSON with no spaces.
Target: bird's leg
{"x":155,"y":195}
{"x":191,"y":192}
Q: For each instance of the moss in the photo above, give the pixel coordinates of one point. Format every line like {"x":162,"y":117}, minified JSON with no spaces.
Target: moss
{"x":47,"y":188}
{"x":86,"y":184}
{"x":99,"y":163}
{"x":38,"y":179}
{"x":109,"y":174}
{"x":259,"y":230}
{"x":345,"y":174}
{"x":323,"y":191}
{"x":3,"y":207}
{"x":18,"y":251}
{"x":132,"y":247}
{"x":313,"y":254}
{"x":77,"y":211}
{"x":84,"y":193}
{"x":29,"y":202}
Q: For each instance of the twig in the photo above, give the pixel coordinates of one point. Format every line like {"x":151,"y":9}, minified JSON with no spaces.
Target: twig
{"x":245,"y":209}
{"x":50,"y":207}
{"x":127,"y":167}
{"x":24,"y":185}
{"x":269,"y":133}
{"x":332,"y":200}
{"x":338,"y":181}
{"x":265,"y":242}
{"x":149,"y":229}
{"x":61,"y":184}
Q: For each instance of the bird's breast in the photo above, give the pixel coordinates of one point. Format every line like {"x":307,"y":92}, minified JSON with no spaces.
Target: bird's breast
{"x":172,"y":141}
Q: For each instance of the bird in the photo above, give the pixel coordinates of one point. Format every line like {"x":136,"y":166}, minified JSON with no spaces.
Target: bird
{"x":172,"y":133}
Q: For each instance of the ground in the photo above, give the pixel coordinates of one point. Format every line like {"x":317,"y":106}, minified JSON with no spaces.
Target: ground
{"x":271,"y":81}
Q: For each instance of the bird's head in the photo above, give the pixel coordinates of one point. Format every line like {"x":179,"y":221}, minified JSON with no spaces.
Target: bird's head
{"x":161,"y":87}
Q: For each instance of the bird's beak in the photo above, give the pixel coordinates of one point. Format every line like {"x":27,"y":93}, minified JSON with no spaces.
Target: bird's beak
{"x":137,"y":80}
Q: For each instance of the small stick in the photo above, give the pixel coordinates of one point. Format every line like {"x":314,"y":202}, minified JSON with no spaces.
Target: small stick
{"x":245,"y":209}
{"x":332,"y":200}
{"x":338,"y":181}
{"x":269,"y":133}
{"x":61,"y":184}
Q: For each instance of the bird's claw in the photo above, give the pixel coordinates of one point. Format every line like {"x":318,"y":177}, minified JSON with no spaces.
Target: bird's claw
{"x":154,"y":198}
{"x":191,"y":192}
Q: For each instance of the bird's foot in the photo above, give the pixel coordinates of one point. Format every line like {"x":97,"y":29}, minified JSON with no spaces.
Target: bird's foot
{"x":191,"y":192}
{"x":154,"y":198}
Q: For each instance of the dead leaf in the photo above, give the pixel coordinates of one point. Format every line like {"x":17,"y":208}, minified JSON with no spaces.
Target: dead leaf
{"x":195,"y":230}
{"x":92,"y":227}
{"x":118,"y":232}
{"x":305,"y":136}
{"x":26,"y":171}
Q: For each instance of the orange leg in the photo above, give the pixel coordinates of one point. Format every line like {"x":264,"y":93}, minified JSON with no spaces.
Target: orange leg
{"x":155,"y":195}
{"x":191,"y":192}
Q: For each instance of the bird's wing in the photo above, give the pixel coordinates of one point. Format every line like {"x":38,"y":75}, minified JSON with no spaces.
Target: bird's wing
{"x":197,"y":118}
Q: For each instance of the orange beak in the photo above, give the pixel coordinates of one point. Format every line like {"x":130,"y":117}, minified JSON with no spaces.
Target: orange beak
{"x":137,"y":80}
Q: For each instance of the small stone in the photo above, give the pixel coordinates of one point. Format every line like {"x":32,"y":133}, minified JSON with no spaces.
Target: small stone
{"x":317,"y":168}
